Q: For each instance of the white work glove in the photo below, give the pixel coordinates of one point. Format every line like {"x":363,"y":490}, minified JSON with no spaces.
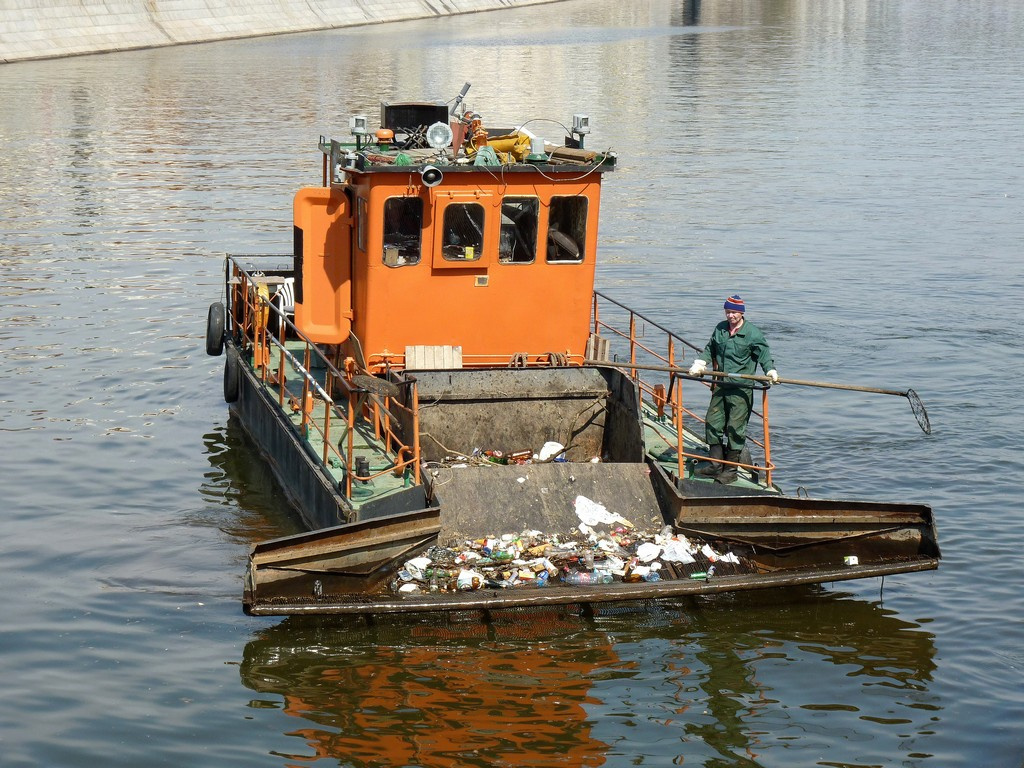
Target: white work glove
{"x":697,"y":369}
{"x":774,"y":376}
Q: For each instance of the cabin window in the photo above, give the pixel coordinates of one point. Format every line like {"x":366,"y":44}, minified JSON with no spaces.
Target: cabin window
{"x":463,"y":232}
{"x":403,"y":226}
{"x":567,"y":229}
{"x":361,"y":223}
{"x":518,"y":241}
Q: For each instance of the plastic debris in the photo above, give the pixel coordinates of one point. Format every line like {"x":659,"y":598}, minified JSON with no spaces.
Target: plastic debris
{"x":679,"y":551}
{"x":709,"y":553}
{"x":613,"y":551}
{"x":468,"y":580}
{"x":549,"y":451}
{"x":648,"y":551}
{"x":591,"y":513}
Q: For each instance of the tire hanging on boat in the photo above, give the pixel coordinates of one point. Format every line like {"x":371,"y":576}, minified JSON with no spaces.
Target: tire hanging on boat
{"x":231,"y":377}
{"x":215,"y":330}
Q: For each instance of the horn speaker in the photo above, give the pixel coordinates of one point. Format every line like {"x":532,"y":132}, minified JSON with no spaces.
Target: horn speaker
{"x":431,"y":176}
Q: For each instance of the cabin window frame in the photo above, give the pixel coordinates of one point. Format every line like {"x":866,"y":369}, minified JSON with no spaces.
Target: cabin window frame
{"x":559,"y":221}
{"x":396,"y":258}
{"x":479,"y":246}
{"x":516,"y":231}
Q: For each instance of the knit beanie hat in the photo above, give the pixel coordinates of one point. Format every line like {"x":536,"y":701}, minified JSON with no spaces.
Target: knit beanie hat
{"x":735,"y":303}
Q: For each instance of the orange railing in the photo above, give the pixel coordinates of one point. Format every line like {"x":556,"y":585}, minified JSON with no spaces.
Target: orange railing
{"x":252,"y":316}
{"x":654,"y":355}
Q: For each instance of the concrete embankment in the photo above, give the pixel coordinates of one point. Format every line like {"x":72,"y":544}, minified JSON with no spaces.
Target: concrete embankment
{"x":42,"y":29}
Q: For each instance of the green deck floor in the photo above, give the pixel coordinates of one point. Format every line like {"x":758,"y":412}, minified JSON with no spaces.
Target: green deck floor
{"x":365,"y":443}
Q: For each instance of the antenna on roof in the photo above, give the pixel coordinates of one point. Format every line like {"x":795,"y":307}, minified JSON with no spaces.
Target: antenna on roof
{"x":459,"y":98}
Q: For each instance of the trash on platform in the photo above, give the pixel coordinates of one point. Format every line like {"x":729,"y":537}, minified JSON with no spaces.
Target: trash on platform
{"x":603,"y":549}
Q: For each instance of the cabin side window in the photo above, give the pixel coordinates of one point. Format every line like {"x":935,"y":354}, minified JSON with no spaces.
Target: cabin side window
{"x":463,"y":238}
{"x":403,"y":228}
{"x":567,"y":229}
{"x":361,"y":223}
{"x":518,"y":240}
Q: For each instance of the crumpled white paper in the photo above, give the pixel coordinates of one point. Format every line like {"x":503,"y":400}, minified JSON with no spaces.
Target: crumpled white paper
{"x":709,"y":553}
{"x":591,"y":513}
{"x":549,"y":450}
{"x":679,"y":551}
{"x":648,"y":551}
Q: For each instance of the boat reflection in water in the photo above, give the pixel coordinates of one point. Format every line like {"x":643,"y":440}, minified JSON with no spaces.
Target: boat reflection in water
{"x":687,"y":677}
{"x":435,"y":692}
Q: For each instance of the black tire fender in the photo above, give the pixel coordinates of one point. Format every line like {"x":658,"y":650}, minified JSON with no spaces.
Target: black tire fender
{"x":215,"y":329}
{"x":231,"y":376}
{"x":561,"y":247}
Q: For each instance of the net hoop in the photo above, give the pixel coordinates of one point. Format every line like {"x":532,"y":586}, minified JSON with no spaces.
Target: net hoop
{"x":919,"y":412}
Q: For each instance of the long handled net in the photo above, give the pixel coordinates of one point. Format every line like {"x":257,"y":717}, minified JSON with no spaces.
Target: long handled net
{"x":915,"y":402}
{"x":919,"y":411}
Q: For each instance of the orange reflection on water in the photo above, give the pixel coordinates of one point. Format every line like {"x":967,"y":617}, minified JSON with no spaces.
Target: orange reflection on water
{"x":460,"y":694}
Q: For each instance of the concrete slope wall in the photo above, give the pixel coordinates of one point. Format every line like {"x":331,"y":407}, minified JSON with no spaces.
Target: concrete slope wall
{"x":40,"y":29}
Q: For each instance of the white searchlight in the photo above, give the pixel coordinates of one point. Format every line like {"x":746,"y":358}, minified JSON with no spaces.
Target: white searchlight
{"x":440,"y":135}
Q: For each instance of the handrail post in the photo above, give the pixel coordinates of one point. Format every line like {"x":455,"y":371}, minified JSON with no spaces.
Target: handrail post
{"x":632,"y":344}
{"x":262,"y":346}
{"x":414,"y":394}
{"x":280,"y":376}
{"x":327,"y":432}
{"x":767,"y":439}
{"x":677,"y":421}
{"x":305,"y":387}
{"x":351,"y":446}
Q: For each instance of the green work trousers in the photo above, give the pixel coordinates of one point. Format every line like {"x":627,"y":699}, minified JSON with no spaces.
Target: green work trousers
{"x":727,"y":417}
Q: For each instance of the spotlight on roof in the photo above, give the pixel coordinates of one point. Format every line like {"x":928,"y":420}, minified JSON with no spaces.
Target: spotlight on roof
{"x":580,"y":127}
{"x":439,"y":135}
{"x":357,"y":125}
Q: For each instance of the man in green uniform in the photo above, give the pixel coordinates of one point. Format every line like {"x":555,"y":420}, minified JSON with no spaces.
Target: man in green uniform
{"x":736,"y":346}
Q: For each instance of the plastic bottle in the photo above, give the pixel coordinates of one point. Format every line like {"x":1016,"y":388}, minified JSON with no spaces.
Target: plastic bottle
{"x":652,"y":576}
{"x":578,"y":578}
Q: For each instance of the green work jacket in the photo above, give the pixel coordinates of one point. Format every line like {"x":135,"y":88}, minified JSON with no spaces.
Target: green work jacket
{"x":740,"y":353}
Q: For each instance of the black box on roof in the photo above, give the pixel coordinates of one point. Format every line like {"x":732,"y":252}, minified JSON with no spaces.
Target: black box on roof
{"x":409,"y":115}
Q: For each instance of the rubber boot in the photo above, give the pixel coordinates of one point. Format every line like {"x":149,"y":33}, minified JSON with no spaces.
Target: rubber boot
{"x":712,"y":468}
{"x":745,"y":458}
{"x":728,"y":473}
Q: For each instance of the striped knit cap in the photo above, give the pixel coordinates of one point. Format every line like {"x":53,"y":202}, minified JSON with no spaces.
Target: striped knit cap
{"x":735,"y":303}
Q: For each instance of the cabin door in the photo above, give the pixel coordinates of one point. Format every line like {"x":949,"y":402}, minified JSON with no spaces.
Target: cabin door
{"x":323,"y":264}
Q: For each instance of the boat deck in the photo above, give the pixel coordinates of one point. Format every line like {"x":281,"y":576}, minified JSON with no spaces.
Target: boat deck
{"x":738,"y":536}
{"x":658,"y":434}
{"x":365,"y":442}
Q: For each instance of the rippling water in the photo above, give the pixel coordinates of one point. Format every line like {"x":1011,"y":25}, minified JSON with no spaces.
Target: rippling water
{"x":853,"y":169}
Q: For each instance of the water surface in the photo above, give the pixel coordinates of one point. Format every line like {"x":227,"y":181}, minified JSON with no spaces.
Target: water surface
{"x":852,"y":169}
